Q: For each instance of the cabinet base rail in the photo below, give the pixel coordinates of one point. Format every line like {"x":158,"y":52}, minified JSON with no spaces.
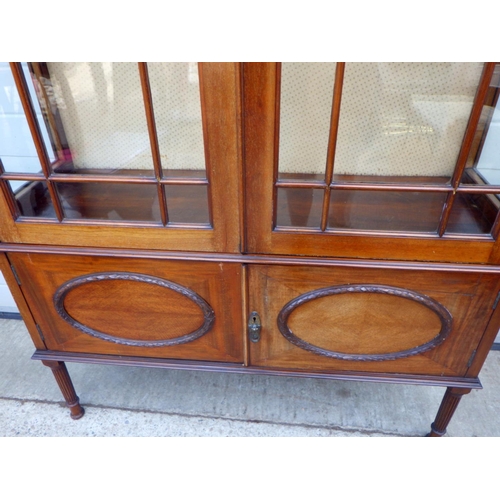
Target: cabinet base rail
{"x":456,"y":386}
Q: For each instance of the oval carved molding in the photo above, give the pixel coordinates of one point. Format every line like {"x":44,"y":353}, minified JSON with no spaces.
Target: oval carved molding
{"x":442,"y":313}
{"x":64,"y":289}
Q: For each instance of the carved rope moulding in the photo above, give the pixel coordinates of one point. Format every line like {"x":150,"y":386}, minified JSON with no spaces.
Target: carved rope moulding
{"x":64,"y":289}
{"x":441,"y":311}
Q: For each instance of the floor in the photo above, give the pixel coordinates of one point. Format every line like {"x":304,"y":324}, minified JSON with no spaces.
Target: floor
{"x":125,"y":401}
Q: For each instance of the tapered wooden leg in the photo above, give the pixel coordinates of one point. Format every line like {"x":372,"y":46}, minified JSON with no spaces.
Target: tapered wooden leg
{"x":64,"y":382}
{"x":448,"y":406}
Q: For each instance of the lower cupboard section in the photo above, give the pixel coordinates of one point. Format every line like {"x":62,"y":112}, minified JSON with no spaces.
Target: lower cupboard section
{"x":313,"y":319}
{"x":371,"y":320}
{"x":135,"y":307}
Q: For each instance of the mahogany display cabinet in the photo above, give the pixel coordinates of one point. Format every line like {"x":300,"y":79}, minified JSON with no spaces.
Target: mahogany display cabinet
{"x":330,"y":220}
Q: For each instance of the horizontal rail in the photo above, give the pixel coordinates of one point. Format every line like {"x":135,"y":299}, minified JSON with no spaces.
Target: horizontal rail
{"x":262,"y":259}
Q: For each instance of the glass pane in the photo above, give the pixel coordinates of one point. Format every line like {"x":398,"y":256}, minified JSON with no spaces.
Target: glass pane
{"x":473,"y":213}
{"x":299,"y":207}
{"x":187,"y":204}
{"x":17,"y":149}
{"x":404,"y":119}
{"x":99,"y":109}
{"x":92,"y":200}
{"x":485,"y":154}
{"x":32,"y":199}
{"x":175,"y":88}
{"x":385,"y":210}
{"x":305,"y":111}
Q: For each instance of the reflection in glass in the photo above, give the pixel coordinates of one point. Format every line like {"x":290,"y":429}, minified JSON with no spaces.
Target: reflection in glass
{"x":175,"y":88}
{"x":17,"y":149}
{"x":305,"y":109}
{"x":100,"y":111}
{"x":486,"y":155}
{"x":187,"y":204}
{"x":299,"y":207}
{"x":32,"y":199}
{"x":128,"y":202}
{"x":385,"y":210}
{"x":404,"y":119}
{"x":473,"y":213}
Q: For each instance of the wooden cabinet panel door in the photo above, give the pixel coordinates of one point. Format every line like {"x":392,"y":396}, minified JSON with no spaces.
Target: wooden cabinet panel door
{"x":148,"y":158}
{"x":368,"y":160}
{"x":135,"y":307}
{"x":391,"y":321}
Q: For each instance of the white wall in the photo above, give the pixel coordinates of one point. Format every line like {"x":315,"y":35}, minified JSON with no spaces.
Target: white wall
{"x":7,"y":303}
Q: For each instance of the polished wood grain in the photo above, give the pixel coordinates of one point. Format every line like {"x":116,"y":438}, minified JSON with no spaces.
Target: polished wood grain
{"x":364,"y":322}
{"x":164,"y":312}
{"x":157,"y":314}
{"x":468,"y":298}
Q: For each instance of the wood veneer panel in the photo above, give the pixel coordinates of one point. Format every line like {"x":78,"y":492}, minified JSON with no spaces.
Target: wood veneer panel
{"x":468,"y":298}
{"x":136,"y":309}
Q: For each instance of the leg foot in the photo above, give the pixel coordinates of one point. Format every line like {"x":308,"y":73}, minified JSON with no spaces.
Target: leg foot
{"x":68,"y":391}
{"x":448,"y":406}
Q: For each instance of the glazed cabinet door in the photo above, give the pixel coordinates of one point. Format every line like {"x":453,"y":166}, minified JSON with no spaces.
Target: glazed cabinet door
{"x":373,"y":160}
{"x":134,"y":307}
{"x":369,"y":320}
{"x":134,"y":155}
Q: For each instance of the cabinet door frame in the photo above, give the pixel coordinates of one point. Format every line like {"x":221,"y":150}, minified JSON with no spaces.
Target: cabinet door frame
{"x":221,"y":111}
{"x":261,"y":83}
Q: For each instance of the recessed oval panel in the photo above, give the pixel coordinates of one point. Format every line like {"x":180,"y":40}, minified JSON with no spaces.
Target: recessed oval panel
{"x":364,"y":322}
{"x":134,"y":309}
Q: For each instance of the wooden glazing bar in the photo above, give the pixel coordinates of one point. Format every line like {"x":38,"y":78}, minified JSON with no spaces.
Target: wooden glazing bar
{"x":7,"y":193}
{"x":332,"y":140}
{"x":206,"y":148}
{"x":467,"y":142}
{"x":472,"y":188}
{"x":42,"y":95}
{"x":153,"y":138}
{"x":276,"y":142}
{"x":300,"y":184}
{"x":102,"y":179}
{"x":185,"y":181}
{"x":23,"y":177}
{"x":132,"y":179}
{"x":369,"y":186}
{"x":22,"y":88}
{"x":295,"y":230}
